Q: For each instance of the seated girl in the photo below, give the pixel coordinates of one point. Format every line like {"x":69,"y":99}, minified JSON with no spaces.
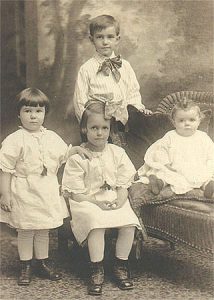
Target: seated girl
{"x":99,"y":198}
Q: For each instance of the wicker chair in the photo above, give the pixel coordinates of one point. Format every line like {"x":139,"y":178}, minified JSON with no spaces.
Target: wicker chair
{"x":183,"y":220}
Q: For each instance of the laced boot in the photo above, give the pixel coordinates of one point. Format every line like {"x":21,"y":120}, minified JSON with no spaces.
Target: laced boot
{"x":122,"y":274}
{"x":96,"y":278}
{"x":25,"y":273}
{"x":44,"y":271}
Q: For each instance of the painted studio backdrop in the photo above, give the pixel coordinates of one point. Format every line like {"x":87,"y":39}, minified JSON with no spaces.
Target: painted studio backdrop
{"x":168,"y":43}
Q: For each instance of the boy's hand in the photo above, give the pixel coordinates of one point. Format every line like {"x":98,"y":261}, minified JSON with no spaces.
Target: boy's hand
{"x":146,"y":111}
{"x":84,"y":153}
{"x":5,"y":202}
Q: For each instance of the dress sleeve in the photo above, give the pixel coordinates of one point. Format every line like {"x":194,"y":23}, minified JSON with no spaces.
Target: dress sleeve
{"x":73,"y":176}
{"x":9,"y":154}
{"x":210,"y":156}
{"x":80,"y":93}
{"x":60,"y":148}
{"x":133,"y":96}
{"x":157,"y":156}
{"x":125,"y":171}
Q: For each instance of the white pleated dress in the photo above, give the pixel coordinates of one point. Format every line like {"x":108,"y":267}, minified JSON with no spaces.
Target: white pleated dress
{"x":182,"y":162}
{"x":36,"y":203}
{"x":84,"y":176}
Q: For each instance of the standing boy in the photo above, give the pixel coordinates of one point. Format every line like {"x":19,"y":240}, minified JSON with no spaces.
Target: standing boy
{"x":105,"y":77}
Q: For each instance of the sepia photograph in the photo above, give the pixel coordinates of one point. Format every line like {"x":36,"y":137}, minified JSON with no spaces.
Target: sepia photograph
{"x":107,"y":149}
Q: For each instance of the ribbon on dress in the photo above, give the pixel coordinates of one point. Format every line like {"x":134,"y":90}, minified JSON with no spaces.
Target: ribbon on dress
{"x":110,"y":106}
{"x":111,"y":65}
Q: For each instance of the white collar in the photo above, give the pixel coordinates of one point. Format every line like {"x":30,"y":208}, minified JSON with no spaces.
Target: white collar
{"x":100,"y":58}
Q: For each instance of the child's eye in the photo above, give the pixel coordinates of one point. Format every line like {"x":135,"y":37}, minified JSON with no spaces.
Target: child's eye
{"x":105,"y":128}
{"x":192,"y":120}
{"x":39,"y":110}
{"x":110,"y":36}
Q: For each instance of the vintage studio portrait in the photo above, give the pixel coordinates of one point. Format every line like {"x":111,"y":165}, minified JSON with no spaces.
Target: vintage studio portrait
{"x":107,"y":149}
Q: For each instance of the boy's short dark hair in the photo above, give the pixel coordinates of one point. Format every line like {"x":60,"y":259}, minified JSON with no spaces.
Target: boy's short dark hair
{"x":32,"y":97}
{"x":102,"y":22}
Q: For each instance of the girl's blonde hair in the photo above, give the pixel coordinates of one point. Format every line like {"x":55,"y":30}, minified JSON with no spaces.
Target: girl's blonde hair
{"x":32,"y":97}
{"x":186,"y":104}
{"x":93,"y":108}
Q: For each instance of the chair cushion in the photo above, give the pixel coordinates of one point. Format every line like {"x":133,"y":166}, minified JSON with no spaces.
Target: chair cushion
{"x":188,"y":218}
{"x":188,"y":223}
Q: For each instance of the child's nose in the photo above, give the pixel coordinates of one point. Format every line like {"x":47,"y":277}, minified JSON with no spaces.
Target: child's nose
{"x":33,"y":115}
{"x":99,"y":132}
{"x":105,"y":40}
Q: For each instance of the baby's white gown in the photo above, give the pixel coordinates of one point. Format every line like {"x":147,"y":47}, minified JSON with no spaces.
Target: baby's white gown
{"x":182,"y":162}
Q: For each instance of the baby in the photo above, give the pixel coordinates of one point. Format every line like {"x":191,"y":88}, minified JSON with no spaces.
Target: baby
{"x":184,"y":157}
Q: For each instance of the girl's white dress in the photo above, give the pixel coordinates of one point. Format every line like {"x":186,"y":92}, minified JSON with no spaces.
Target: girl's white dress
{"x":112,"y":166}
{"x":182,"y":162}
{"x":36,"y":203}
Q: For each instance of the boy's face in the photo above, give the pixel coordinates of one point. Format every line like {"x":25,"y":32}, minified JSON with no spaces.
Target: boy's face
{"x":186,"y":122}
{"x":105,"y":41}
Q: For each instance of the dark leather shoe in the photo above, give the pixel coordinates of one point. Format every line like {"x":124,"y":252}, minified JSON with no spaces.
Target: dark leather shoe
{"x":44,"y":271}
{"x":122,"y":274}
{"x":25,"y":273}
{"x":96,"y":278}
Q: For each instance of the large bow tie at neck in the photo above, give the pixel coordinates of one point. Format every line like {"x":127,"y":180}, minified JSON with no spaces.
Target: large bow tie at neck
{"x":111,"y":65}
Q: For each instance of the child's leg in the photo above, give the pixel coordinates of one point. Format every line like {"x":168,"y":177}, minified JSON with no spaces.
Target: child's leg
{"x":96,"y":245}
{"x":123,"y":248}
{"x":25,"y":249}
{"x":25,"y":244}
{"x":41,"y":244}
{"x":124,"y":242}
{"x":41,"y":247}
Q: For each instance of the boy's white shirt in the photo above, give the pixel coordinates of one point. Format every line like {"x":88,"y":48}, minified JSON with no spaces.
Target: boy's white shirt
{"x":89,"y":83}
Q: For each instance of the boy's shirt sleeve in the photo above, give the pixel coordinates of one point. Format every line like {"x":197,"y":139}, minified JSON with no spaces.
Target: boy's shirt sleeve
{"x":81,"y":92}
{"x":133,"y":95}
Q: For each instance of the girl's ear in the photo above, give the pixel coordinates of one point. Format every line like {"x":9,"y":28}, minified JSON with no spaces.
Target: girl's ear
{"x":84,"y":131}
{"x":91,"y":39}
